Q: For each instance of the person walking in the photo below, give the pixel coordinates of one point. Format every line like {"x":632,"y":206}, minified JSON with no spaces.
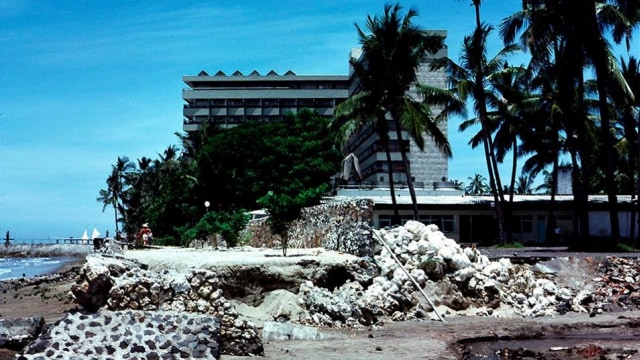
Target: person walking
{"x":145,"y":235}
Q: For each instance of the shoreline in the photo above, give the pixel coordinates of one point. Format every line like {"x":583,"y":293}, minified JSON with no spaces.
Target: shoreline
{"x":45,"y":296}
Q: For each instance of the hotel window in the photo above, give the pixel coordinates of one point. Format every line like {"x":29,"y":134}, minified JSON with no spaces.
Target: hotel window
{"x":384,"y":221}
{"x":523,"y":224}
{"x":444,"y":222}
{"x":236,"y":102}
{"x":288,"y":103}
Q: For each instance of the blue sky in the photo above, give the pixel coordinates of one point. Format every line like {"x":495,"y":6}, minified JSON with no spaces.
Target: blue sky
{"x":83,"y":82}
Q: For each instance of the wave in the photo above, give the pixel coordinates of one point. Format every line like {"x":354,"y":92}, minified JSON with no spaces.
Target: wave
{"x":29,"y":267}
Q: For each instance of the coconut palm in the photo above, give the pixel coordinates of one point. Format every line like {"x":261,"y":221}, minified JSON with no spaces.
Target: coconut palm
{"x":477,"y":185}
{"x":553,"y":34}
{"x":471,"y":79}
{"x":629,"y":120}
{"x":392,"y":50}
{"x":116,"y":187}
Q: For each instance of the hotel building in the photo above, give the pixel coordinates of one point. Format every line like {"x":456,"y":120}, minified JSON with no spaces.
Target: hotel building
{"x":228,"y":100}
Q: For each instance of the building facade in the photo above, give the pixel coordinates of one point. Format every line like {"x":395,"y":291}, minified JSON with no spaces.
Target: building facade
{"x":228,"y":100}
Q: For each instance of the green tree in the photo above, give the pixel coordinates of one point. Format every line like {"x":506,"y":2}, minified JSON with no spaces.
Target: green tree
{"x":553,"y":34}
{"x":117,"y":186}
{"x":298,"y":161}
{"x":524,"y":184}
{"x":477,"y":185}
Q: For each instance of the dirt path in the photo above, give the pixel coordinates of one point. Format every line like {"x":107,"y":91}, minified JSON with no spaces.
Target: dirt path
{"x":568,"y":336}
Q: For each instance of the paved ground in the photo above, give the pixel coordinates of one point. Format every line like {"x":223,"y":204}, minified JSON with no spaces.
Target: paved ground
{"x":548,"y":252}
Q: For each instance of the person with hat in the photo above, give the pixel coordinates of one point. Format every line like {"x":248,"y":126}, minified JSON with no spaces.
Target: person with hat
{"x":144,"y":234}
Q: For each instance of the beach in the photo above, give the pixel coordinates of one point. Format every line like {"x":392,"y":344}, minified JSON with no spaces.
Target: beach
{"x":46,"y":296}
{"x":425,"y":339}
{"x":49,"y":271}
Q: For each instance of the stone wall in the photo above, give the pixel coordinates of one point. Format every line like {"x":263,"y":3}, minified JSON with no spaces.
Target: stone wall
{"x":342,"y":226}
{"x":109,"y":284}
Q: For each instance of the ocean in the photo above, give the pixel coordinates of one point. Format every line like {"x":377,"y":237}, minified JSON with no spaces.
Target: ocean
{"x":12,"y":268}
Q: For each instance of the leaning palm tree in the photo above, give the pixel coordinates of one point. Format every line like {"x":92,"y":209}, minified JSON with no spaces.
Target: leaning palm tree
{"x":470,"y":79}
{"x":351,"y":116}
{"x":393,"y":48}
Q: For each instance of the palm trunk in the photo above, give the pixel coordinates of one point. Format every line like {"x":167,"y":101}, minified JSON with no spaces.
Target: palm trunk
{"x":115,"y":213}
{"x":638,"y":184}
{"x":508,"y":210}
{"x":596,"y":48}
{"x":407,"y":170}
{"x":550,"y":235}
{"x":488,"y":152}
{"x":607,"y":154}
{"x":395,"y":220}
{"x":494,"y":191}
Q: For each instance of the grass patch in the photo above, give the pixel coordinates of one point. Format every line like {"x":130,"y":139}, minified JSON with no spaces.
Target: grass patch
{"x":512,"y":245}
{"x":623,"y":247}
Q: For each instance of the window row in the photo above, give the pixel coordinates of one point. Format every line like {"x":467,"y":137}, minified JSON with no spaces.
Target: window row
{"x":206,"y":103}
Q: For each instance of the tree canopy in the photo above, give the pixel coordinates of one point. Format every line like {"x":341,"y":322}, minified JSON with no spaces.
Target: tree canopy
{"x":229,"y":168}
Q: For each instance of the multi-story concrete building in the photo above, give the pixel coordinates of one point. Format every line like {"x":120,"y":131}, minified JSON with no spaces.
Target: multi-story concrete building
{"x":231,"y":99}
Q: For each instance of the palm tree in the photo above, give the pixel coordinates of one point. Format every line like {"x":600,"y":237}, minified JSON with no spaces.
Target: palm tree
{"x":116,"y":187}
{"x":560,"y":57}
{"x":392,"y":50}
{"x":477,"y":185}
{"x":629,"y":118}
{"x":524,"y":184}
{"x":471,"y":79}
{"x":553,"y":34}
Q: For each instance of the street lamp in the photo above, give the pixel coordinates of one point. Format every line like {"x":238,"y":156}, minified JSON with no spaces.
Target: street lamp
{"x":206,"y":205}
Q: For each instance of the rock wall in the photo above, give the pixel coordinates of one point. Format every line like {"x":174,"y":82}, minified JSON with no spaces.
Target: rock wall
{"x":342,"y":226}
{"x":129,"y":334}
{"x":114,"y":285}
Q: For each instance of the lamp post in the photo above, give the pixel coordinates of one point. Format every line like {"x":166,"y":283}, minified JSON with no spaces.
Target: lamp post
{"x":206,"y":206}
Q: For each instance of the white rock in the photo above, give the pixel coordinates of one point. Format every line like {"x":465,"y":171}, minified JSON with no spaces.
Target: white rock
{"x":413,"y":247}
{"x":423,"y":246}
{"x":446,"y":252}
{"x":399,"y":277}
{"x":471,"y":254}
{"x":460,"y":261}
{"x":537,"y":292}
{"x":463,"y":274}
{"x":416,"y":227}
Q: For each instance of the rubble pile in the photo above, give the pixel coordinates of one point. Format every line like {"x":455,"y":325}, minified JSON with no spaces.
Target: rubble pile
{"x":460,"y":279}
{"x":618,"y":283}
{"x":109,"y":284}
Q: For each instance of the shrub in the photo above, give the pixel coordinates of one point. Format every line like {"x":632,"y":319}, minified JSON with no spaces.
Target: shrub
{"x":228,"y":224}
